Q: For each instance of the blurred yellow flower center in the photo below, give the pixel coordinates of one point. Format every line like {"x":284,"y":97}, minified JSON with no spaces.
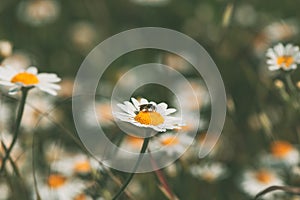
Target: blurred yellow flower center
{"x":263,"y":177}
{"x":25,"y":78}
{"x":135,"y":141}
{"x":149,"y":118}
{"x":209,"y":176}
{"x":285,"y":60}
{"x":82,"y":167}
{"x":80,"y":197}
{"x":56,"y":180}
{"x":280,"y":148}
{"x":170,"y":141}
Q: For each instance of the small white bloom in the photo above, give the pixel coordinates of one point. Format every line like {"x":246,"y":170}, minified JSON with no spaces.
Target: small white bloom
{"x":36,"y":13}
{"x":58,"y":186}
{"x":5,"y":48}
{"x":17,"y":79}
{"x":148,"y":114}
{"x":282,"y":152}
{"x":209,"y":172}
{"x":76,"y":164}
{"x":172,"y":144}
{"x":283,"y":57}
{"x":255,"y":181}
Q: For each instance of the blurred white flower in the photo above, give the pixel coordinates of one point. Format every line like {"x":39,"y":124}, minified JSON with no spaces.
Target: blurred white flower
{"x":132,"y":144}
{"x":18,"y":60}
{"x":283,"y":30}
{"x":84,"y":36}
{"x":57,"y":186}
{"x":200,"y":93}
{"x":17,"y":79}
{"x":283,"y":57}
{"x":5,"y":48}
{"x":75,"y":164}
{"x":245,"y":10}
{"x":282,"y":152}
{"x":209,"y":172}
{"x":103,"y":113}
{"x":255,"y":181}
{"x":172,"y":144}
{"x":38,"y":12}
{"x":148,"y":114}
{"x":37,"y":112}
{"x":4,"y":191}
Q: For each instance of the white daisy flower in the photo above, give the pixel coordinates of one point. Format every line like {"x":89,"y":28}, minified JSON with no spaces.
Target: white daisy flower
{"x":148,"y":114}
{"x":254,"y":182}
{"x":172,"y":144}
{"x":209,"y":172}
{"x":58,"y":186}
{"x":284,"y":152}
{"x":17,"y":79}
{"x":283,"y":57}
{"x":76,"y":164}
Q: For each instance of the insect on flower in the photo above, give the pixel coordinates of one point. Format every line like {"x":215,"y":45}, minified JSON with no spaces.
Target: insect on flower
{"x":148,"y":114}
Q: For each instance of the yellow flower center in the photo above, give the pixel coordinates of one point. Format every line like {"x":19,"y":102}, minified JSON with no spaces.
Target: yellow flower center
{"x":281,"y":148}
{"x":209,"y":176}
{"x":149,"y":118}
{"x":82,"y":167}
{"x":263,"y":177}
{"x":135,"y":141}
{"x":56,"y":180}
{"x":25,"y":78}
{"x":285,"y":60}
{"x":80,"y":197}
{"x":170,"y":141}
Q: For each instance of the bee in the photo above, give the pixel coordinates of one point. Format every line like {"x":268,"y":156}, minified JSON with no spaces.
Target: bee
{"x":146,"y":108}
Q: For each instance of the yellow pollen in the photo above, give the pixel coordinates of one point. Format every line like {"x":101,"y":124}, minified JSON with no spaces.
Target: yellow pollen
{"x":56,"y":180}
{"x":135,"y":141}
{"x":149,"y":118}
{"x":263,"y":177}
{"x":170,"y":141}
{"x":281,"y":148}
{"x":285,"y":60}
{"x":82,"y":167}
{"x":25,"y":78}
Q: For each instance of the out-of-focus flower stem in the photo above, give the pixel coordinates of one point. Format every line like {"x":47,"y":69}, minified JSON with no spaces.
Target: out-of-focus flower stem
{"x":18,"y":124}
{"x":294,"y":93}
{"x":11,"y":161}
{"x":143,"y":150}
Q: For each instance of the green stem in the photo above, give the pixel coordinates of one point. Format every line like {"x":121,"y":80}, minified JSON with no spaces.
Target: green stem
{"x":290,"y":83}
{"x":18,"y":124}
{"x":11,"y":161}
{"x":143,"y":150}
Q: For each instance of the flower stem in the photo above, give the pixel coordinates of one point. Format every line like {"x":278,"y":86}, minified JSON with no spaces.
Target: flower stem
{"x":17,"y":128}
{"x":290,"y":83}
{"x":143,"y":150}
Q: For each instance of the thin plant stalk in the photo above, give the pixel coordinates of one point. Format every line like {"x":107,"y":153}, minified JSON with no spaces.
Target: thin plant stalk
{"x":143,"y":150}
{"x":17,"y":128}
